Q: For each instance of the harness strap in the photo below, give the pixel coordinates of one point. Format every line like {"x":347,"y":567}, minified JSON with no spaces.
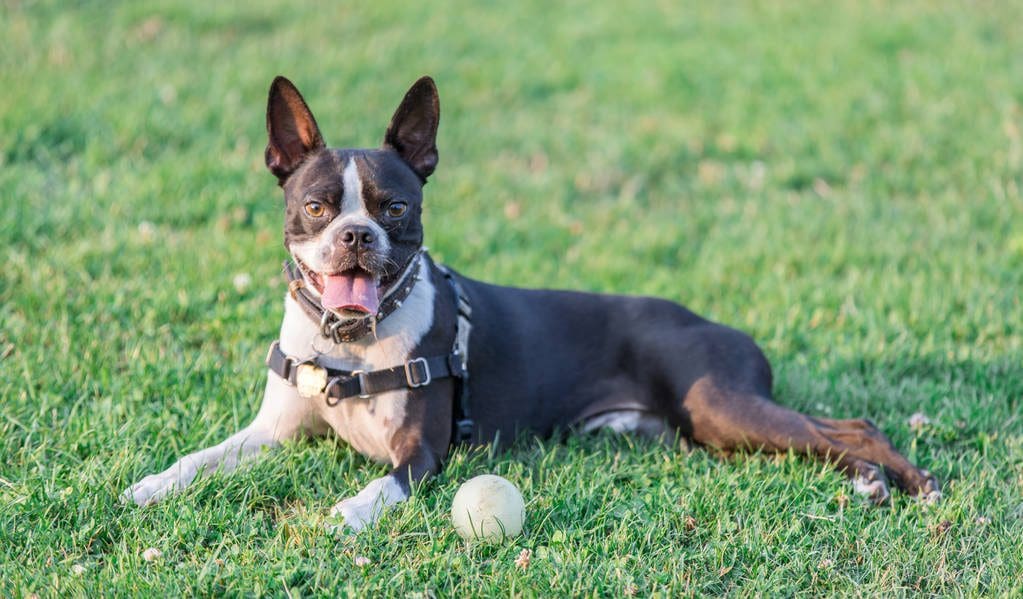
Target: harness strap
{"x":464,"y":426}
{"x":336,"y":385}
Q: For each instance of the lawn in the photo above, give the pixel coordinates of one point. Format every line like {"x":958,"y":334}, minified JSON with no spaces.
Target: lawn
{"x":840,"y":179}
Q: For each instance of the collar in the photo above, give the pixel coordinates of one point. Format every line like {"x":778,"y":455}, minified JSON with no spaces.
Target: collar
{"x":348,"y":330}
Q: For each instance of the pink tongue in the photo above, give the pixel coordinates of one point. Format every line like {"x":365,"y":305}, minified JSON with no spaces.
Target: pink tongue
{"x":350,"y":291}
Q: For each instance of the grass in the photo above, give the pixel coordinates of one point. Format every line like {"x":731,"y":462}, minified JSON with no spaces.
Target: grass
{"x":840,"y":179}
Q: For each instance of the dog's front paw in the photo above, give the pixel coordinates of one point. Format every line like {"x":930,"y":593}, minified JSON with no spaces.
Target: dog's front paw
{"x":356,"y":513}
{"x":151,"y":489}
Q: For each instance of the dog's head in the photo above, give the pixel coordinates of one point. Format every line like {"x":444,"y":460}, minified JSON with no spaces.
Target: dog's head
{"x":352,"y":217}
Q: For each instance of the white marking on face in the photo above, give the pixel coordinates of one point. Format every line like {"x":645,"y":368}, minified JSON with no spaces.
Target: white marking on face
{"x":314,"y":252}
{"x":365,"y":424}
{"x":363,"y":509}
{"x":352,"y":201}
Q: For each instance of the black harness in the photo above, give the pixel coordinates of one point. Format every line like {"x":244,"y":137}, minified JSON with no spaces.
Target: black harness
{"x":336,"y":385}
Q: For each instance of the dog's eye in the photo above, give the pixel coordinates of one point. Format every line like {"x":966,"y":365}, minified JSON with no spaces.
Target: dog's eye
{"x":397,"y":209}
{"x":314,"y":209}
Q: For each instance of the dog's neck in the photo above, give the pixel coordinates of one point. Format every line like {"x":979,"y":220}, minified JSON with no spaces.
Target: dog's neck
{"x":395,"y":338}
{"x":344,"y":327}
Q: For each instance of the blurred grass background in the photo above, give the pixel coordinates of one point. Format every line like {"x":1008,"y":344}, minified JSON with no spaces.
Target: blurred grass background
{"x":840,"y":179}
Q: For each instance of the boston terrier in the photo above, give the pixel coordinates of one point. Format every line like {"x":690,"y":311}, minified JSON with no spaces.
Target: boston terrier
{"x":403,"y":358}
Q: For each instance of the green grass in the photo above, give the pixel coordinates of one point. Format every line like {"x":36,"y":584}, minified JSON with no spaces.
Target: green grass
{"x":840,"y":179}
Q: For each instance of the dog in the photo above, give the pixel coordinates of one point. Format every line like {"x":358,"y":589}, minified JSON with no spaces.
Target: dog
{"x":403,"y":358}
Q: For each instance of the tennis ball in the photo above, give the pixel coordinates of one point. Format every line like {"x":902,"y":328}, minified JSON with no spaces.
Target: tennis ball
{"x":488,"y":507}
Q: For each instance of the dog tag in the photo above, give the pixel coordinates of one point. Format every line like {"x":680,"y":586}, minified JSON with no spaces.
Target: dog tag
{"x":310,"y":380}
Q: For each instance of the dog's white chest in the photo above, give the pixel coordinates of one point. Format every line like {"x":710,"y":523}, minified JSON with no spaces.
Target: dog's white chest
{"x":367,"y":424}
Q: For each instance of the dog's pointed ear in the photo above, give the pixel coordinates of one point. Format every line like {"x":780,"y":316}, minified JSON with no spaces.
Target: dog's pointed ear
{"x":413,"y":129}
{"x":291,"y":129}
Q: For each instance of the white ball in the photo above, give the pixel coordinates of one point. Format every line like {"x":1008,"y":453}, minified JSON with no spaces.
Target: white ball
{"x":488,"y":507}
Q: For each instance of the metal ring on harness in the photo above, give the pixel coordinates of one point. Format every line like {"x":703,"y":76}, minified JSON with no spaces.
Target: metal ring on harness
{"x":335,"y":332}
{"x":324,"y":324}
{"x":331,"y":402}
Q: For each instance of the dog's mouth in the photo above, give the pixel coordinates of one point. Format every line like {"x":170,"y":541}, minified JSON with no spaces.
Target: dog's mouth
{"x":353,"y":292}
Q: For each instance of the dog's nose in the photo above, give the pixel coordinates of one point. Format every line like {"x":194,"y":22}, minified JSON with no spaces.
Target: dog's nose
{"x":355,"y":237}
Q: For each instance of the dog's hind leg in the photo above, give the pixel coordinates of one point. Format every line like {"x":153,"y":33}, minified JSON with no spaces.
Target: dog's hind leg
{"x":282,"y":416}
{"x":728,"y":419}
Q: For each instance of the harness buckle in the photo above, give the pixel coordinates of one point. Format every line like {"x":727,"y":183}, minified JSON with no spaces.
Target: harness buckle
{"x":360,"y":375}
{"x":270,"y":352}
{"x":420,"y":381}
{"x":310,"y":379}
{"x":331,"y":401}
{"x":287,"y":363}
{"x":325,"y":329}
{"x":456,"y":362}
{"x":463,"y":430}
{"x":464,"y":309}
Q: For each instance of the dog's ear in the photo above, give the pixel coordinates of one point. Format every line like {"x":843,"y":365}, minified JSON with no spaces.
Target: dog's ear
{"x":291,"y":129}
{"x":413,"y":129}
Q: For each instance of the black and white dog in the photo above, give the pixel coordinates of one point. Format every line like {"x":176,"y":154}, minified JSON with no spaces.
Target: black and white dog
{"x":401,"y":357}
